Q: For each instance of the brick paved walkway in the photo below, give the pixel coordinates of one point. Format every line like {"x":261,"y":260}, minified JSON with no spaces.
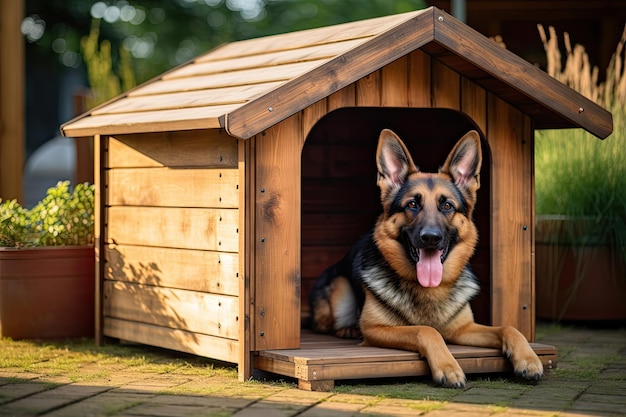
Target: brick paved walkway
{"x":590,"y":381}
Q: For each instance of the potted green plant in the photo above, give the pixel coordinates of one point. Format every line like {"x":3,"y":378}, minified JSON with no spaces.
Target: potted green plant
{"x":580,"y":234}
{"x":47,"y":265}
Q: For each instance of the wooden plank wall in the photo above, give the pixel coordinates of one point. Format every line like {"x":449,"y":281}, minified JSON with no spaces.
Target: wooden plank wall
{"x":333,"y":179}
{"x":171,"y":241}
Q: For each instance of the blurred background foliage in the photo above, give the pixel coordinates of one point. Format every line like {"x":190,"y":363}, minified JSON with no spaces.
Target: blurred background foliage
{"x":80,"y":53}
{"x":160,"y":34}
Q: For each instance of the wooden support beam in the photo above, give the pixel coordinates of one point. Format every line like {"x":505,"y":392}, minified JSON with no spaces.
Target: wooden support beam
{"x":11,"y":100}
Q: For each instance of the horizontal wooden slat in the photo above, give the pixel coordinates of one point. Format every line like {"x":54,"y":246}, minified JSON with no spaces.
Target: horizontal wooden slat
{"x":359,"y":370}
{"x":150,"y":121}
{"x":275,"y":366}
{"x":315,"y":259}
{"x":335,"y":229}
{"x":185,"y":228}
{"x":340,"y":354}
{"x":193,"y":311}
{"x":205,"y":271}
{"x":470,"y":365}
{"x":340,"y":194}
{"x":338,"y":161}
{"x":229,"y":79}
{"x":203,"y":148}
{"x":187,"y":99}
{"x":167,"y":187}
{"x":180,"y":340}
{"x":318,"y":36}
{"x":205,"y":65}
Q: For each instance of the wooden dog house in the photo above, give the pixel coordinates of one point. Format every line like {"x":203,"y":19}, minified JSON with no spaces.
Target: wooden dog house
{"x":227,"y":184}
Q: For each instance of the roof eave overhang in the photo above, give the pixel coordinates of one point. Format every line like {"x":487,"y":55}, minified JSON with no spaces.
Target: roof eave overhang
{"x":74,"y":130}
{"x":567,"y":108}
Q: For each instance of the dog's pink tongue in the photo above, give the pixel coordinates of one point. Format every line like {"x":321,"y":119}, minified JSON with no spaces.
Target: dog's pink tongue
{"x":430,"y":268}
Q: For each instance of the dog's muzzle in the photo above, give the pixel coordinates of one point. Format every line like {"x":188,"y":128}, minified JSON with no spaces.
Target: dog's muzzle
{"x":429,"y":254}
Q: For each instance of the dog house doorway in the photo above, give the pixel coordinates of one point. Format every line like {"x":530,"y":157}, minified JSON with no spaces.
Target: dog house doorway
{"x":340,"y":199}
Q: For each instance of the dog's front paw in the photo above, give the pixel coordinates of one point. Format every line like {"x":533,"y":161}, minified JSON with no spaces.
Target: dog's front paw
{"x":348,"y":333}
{"x":528,"y":366}
{"x":449,"y":375}
{"x":525,"y":362}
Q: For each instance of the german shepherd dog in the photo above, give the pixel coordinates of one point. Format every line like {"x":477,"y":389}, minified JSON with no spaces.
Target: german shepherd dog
{"x":407,"y":283}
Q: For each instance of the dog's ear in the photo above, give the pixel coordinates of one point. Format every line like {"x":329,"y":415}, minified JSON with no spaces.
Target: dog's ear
{"x":393,"y":161}
{"x":463,"y":163}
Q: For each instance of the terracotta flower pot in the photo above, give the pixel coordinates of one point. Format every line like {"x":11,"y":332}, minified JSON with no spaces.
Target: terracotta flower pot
{"x":574,"y":282}
{"x":47,"y":292}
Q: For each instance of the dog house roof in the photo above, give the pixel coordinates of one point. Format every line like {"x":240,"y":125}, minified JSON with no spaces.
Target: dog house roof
{"x":247,"y":86}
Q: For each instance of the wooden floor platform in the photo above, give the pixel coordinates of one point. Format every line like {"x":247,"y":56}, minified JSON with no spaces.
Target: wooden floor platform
{"x":321,"y":360}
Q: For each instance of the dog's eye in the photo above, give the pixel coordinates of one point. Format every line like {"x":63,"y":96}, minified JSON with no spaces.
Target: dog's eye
{"x":412,"y":205}
{"x":447,"y":206}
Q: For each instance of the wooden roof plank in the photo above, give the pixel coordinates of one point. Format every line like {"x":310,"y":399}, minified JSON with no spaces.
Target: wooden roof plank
{"x":521,"y":76}
{"x":152,"y":121}
{"x":187,"y":99}
{"x":206,"y":65}
{"x":234,"y":78}
{"x":304,"y":38}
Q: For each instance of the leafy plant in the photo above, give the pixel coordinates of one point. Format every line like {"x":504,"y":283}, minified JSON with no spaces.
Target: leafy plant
{"x":64,"y":217}
{"x":579,"y":180}
{"x":578,"y":175}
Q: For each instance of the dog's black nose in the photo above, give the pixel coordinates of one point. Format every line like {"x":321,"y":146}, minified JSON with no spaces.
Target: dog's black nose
{"x":431,"y":237}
